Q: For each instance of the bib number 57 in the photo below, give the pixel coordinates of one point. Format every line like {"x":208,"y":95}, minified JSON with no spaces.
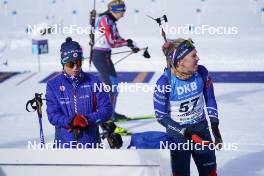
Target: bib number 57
{"x":185,"y":106}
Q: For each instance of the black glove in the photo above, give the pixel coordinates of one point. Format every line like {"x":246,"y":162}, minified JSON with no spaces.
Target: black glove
{"x":217,"y":135}
{"x":130,"y":43}
{"x":132,"y":46}
{"x":188,"y":132}
{"x":114,"y":139}
{"x":135,"y":49}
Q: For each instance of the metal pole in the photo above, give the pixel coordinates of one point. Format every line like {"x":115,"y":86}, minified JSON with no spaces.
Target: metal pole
{"x":38,"y":62}
{"x":128,"y":51}
{"x":123,"y":58}
{"x":122,"y":52}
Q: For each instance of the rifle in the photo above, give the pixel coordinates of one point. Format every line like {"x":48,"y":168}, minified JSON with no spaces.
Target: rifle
{"x":163,"y":34}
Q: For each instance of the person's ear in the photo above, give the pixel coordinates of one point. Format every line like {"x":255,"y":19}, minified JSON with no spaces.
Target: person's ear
{"x":180,"y":63}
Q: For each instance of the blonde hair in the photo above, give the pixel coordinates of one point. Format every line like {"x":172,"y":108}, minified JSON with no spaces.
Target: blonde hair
{"x":168,"y":48}
{"x":171,"y":45}
{"x":114,"y":2}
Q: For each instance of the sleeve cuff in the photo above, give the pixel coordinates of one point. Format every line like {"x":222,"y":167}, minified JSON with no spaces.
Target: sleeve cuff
{"x":212,"y":112}
{"x":67,"y":121}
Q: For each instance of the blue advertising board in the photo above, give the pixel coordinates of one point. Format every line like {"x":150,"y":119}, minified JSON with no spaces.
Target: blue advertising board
{"x":40,"y":47}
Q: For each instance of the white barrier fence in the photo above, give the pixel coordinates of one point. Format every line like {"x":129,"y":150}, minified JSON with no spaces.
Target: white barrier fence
{"x":84,"y":162}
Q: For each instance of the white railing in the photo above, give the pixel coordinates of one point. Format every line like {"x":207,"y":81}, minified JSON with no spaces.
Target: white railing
{"x":84,"y":162}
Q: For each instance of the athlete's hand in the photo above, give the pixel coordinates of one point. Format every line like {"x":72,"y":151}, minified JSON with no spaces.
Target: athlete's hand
{"x":135,"y":49}
{"x":130,"y":43}
{"x":217,"y":136}
{"x":188,"y":132}
{"x":80,"y":121}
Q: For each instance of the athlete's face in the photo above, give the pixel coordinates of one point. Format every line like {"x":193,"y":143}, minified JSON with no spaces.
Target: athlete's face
{"x":189,"y":63}
{"x":73,"y":68}
{"x":119,"y":15}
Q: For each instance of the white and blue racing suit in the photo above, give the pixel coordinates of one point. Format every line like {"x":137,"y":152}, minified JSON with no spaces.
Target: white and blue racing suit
{"x":181,"y":103}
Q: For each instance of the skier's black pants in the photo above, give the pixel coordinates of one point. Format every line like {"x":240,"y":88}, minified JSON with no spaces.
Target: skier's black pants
{"x":204,"y":159}
{"x":103,"y":63}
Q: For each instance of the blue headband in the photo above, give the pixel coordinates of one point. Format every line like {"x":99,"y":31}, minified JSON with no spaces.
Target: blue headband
{"x":118,"y":8}
{"x":181,"y":51}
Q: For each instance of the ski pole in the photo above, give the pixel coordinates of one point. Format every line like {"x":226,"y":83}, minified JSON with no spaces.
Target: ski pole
{"x":159,"y":21}
{"x":119,"y":60}
{"x":128,"y":51}
{"x":38,"y":101}
{"x":163,"y":34}
{"x":198,"y":140}
{"x":145,"y":54}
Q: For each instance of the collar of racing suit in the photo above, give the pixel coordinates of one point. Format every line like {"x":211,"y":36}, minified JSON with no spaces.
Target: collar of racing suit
{"x":74,"y":80}
{"x":180,"y":75}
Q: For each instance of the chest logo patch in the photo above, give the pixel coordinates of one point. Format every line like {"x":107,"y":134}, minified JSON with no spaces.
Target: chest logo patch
{"x":187,"y":88}
{"x":62,"y":88}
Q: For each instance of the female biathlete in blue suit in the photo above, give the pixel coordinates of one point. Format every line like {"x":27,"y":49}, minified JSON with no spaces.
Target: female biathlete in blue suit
{"x":182,"y":92}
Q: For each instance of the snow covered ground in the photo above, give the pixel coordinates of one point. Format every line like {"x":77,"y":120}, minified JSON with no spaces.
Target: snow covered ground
{"x":241,"y":106}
